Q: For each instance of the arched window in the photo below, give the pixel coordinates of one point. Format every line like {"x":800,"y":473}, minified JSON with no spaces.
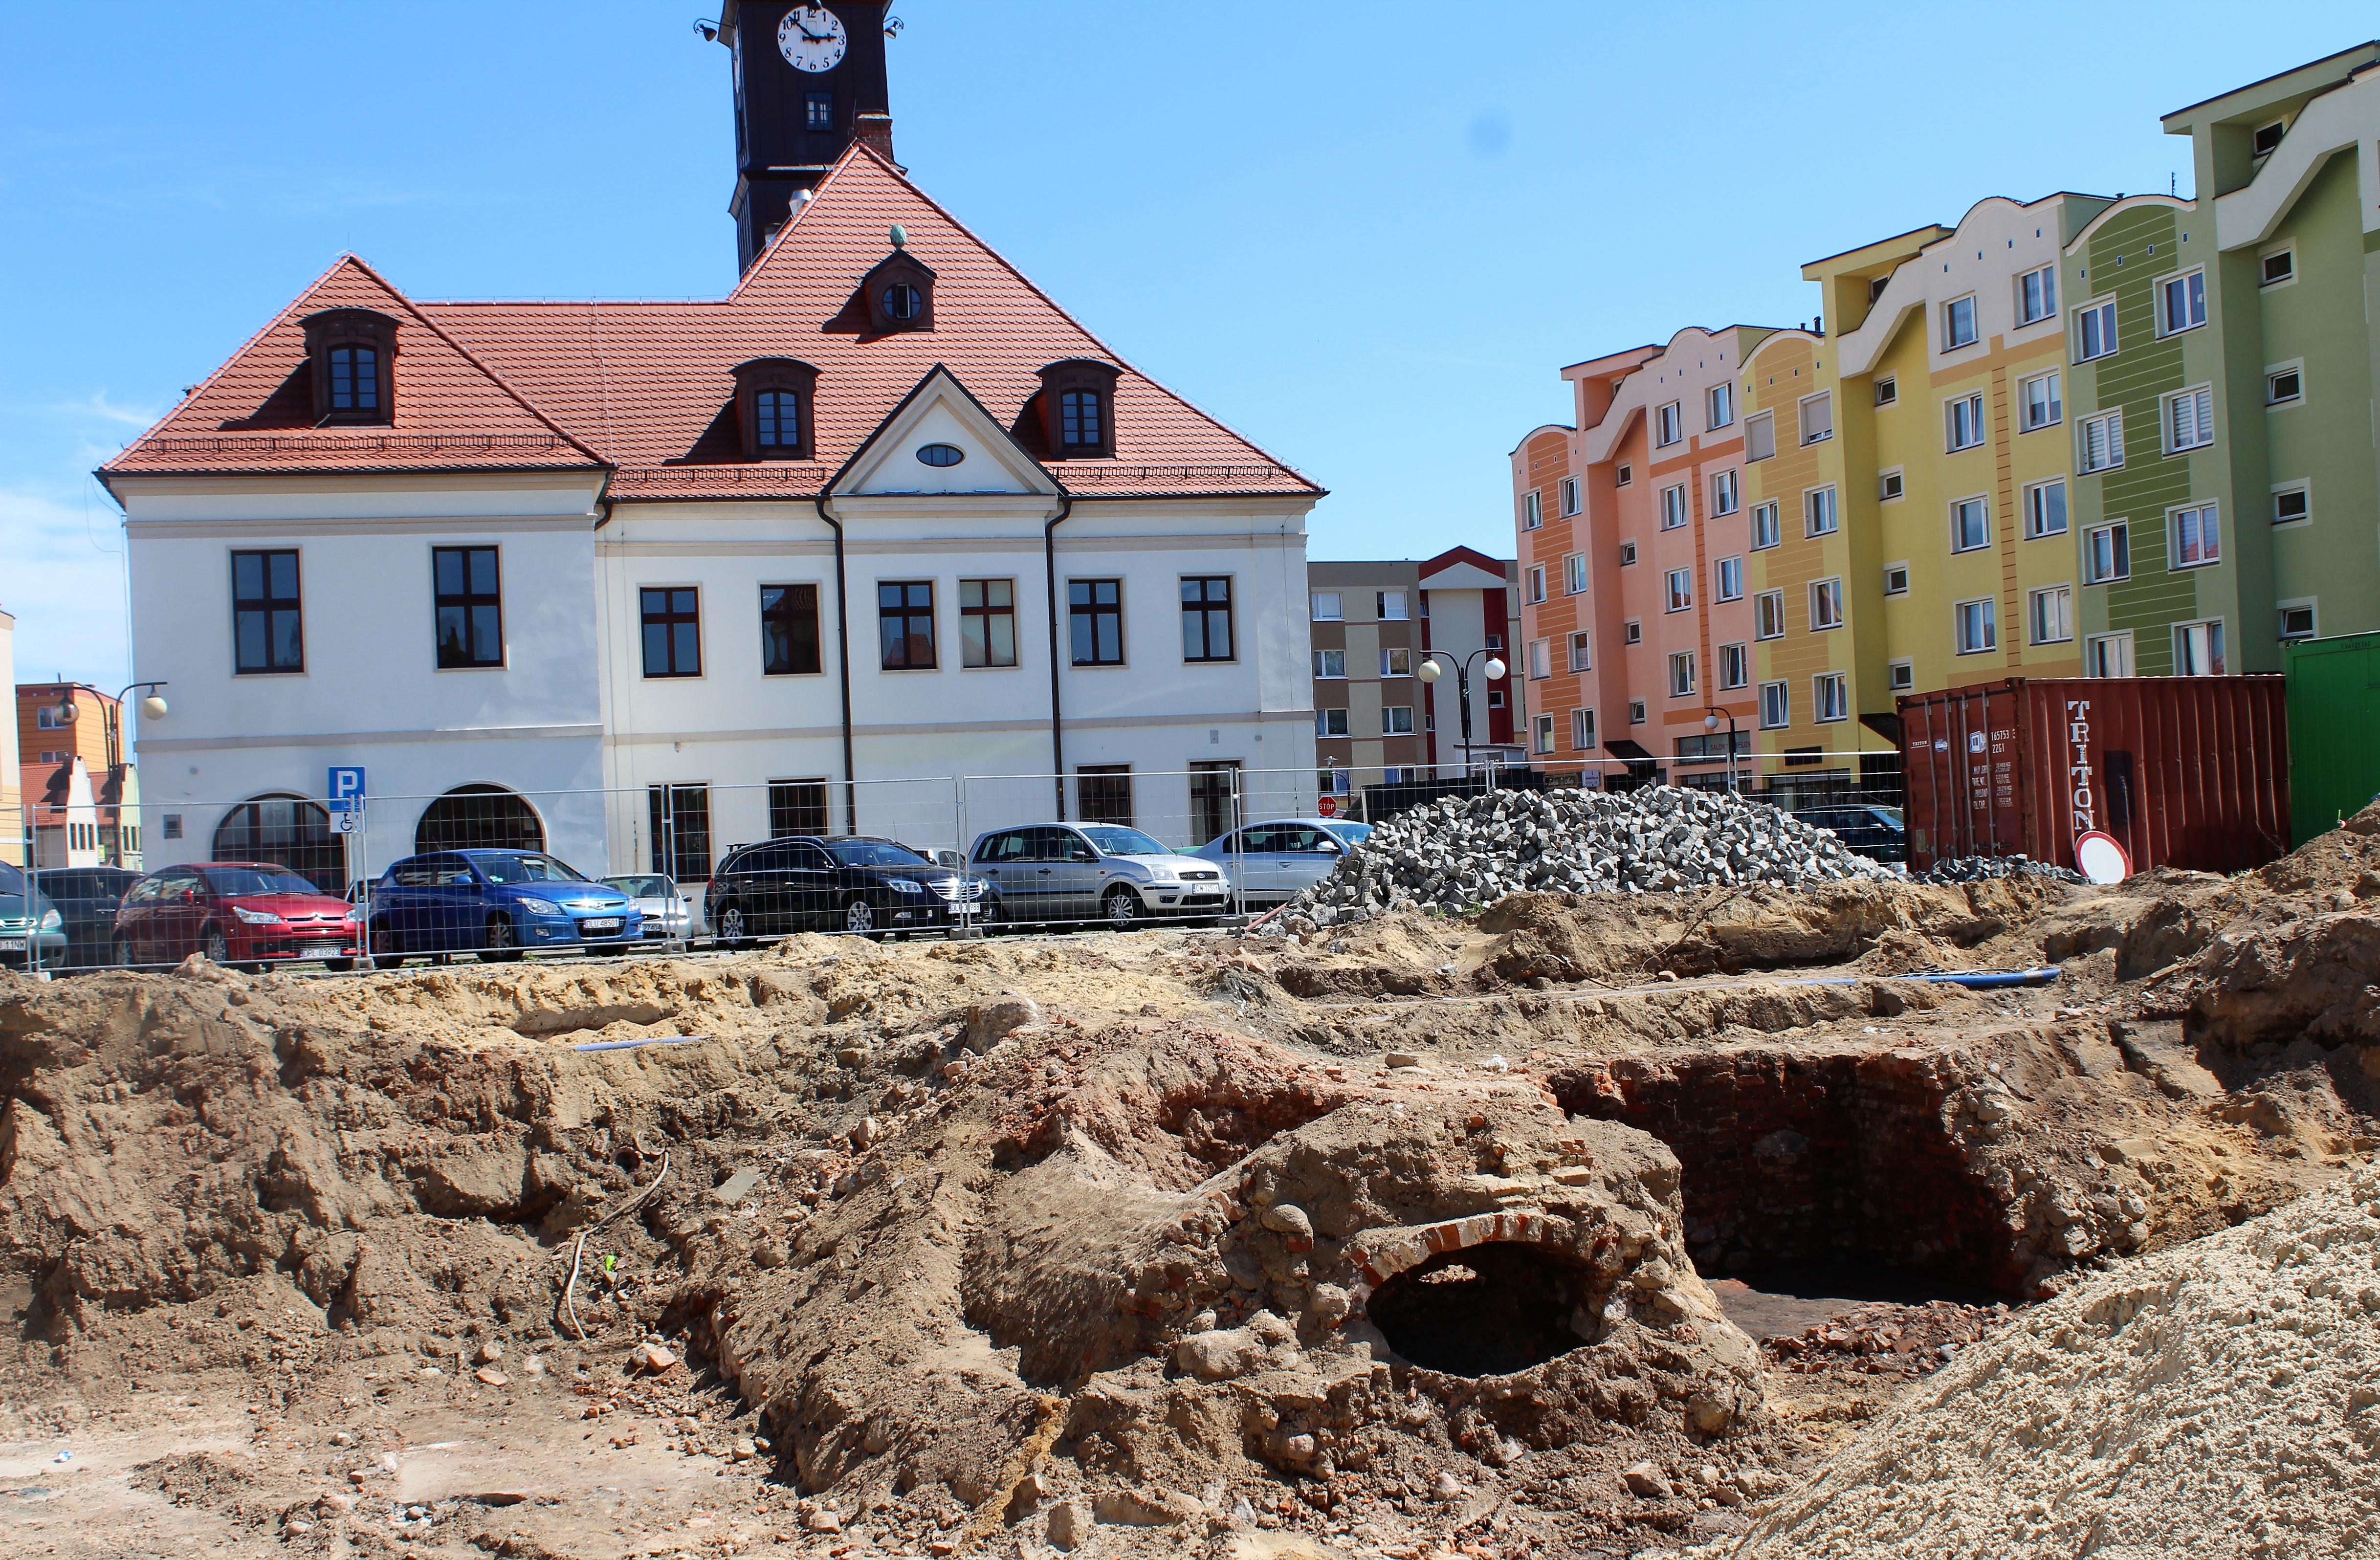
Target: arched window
{"x":774,"y":397}
{"x":479,"y":817}
{"x":355,"y":380}
{"x":1079,"y":408}
{"x":287,"y":831}
{"x":778,"y":417}
{"x":353,"y":352}
{"x":1079,"y":422}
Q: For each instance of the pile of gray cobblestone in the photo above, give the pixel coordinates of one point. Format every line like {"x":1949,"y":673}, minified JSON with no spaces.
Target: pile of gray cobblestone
{"x":1984,"y":869}
{"x":1461,"y":852}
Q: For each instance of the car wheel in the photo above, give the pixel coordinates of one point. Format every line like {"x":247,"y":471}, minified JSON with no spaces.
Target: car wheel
{"x":1122,"y":907}
{"x":731,"y":928}
{"x":385,"y":955}
{"x":212,"y":944}
{"x":858,"y":916}
{"x":501,"y":945}
{"x":338,"y":966}
{"x":123,"y":951}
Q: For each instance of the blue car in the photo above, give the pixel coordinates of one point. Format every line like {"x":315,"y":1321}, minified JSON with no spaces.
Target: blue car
{"x":494,"y":903}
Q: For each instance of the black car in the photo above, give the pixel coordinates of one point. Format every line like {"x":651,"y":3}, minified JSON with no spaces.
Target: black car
{"x":1877,"y":833}
{"x":857,"y":883}
{"x":86,"y":898}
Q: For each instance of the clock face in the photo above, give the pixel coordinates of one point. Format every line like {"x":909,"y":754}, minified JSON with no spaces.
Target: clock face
{"x":811,"y":38}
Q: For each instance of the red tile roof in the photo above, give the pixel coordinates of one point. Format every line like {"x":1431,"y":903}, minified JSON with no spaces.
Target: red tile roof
{"x":646,"y":387}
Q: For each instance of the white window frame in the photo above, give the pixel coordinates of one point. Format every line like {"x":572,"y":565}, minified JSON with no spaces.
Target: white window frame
{"x":1322,"y":672}
{"x":1632,"y":632}
{"x":2102,"y":313}
{"x":1678,"y":591}
{"x":1545,"y":724}
{"x":1958,"y":313}
{"x":2057,"y":403}
{"x":1719,"y":405}
{"x":1767,"y":521}
{"x":2109,"y":426}
{"x":2301,"y":488}
{"x":1901,"y":676}
{"x":1824,"y":402}
{"x":1627,"y":554}
{"x":1396,"y":662}
{"x":1769,"y":615}
{"x":1536,"y":584}
{"x":1669,"y":424}
{"x":2164,"y":286}
{"x":1541,"y":659}
{"x":1982,"y":610}
{"x":1624,"y":475}
{"x":1735,"y":665}
{"x":1581,"y":729}
{"x":1980,"y":507}
{"x":1726,"y":493}
{"x":1389,"y":727}
{"x":1760,"y":436}
{"x":1776,"y":706}
{"x":2121,"y":568}
{"x":1675,"y":509}
{"x":1533,"y":511}
{"x":1567,"y":491}
{"x":1980,"y":427}
{"x":1383,"y":600}
{"x":1822,"y":515}
{"x":1727,"y":579}
{"x":2027,"y":313}
{"x":2310,"y":605}
{"x":2294,"y":368}
{"x":1888,"y":390}
{"x":2212,"y":637}
{"x":1827,"y":593}
{"x":1901,"y":570}
{"x":1573,"y":574}
{"x":1337,"y":612}
{"x":2209,"y":519}
{"x":2186,"y":419}
{"x":2264,"y":281}
{"x":2108,"y":655}
{"x":2036,"y":629}
{"x":1582,"y":651}
{"x":1324,"y":726}
{"x":1829,"y":690}
{"x":1891,"y":485}
{"x":1683,"y":660}
{"x":1635,"y":712}
{"x":2036,"y":500}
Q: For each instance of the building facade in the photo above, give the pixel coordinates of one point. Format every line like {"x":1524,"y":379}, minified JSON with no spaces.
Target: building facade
{"x":1377,"y":720}
{"x":15,"y":833}
{"x":82,"y":797}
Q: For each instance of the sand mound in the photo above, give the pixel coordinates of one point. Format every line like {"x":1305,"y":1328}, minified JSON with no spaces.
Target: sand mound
{"x":2219,"y":1399}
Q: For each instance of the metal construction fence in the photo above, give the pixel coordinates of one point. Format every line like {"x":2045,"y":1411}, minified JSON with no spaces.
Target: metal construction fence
{"x":85,"y":879}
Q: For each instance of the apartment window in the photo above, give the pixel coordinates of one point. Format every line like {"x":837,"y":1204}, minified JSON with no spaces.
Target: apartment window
{"x":1901,"y":676}
{"x":1959,"y":323}
{"x":2279,"y":266}
{"x":1673,"y":507}
{"x":2052,"y":612}
{"x":469,"y":605}
{"x":266,"y":632}
{"x":678,"y":824}
{"x":1635,"y":712}
{"x":905,"y":625}
{"x":1970,"y":525}
{"x":1976,"y":630}
{"x":1095,"y":615}
{"x":1391,"y":605}
{"x":1760,"y":436}
{"x":2297,"y":620}
{"x":1831,"y":697}
{"x":1580,"y":659}
{"x":1765,"y":532}
{"x":1396,"y":720}
{"x":1623,"y":476}
{"x":1495,"y":699}
{"x":2284,"y":385}
{"x":2198,"y":650}
{"x":2107,"y":553}
{"x":1574,"y":573}
{"x":987,"y":623}
{"x":2190,"y":420}
{"x":1536,"y":584}
{"x":2100,"y":443}
{"x":1734,"y":666}
{"x":672,"y":623}
{"x":796,"y":806}
{"x":2095,"y":330}
{"x":1896,"y":579}
{"x":2039,"y":397}
{"x":1769,"y":615}
{"x":1669,"y":424}
{"x":2036,"y":295}
{"x":1726,"y":493}
{"x":1569,"y":495}
{"x":1627,"y":554}
{"x":2110,"y":654}
{"x":1396,"y":663}
{"x":1826,"y":603}
{"x":2182,"y":302}
{"x":1775,"y":708}
{"x":1330,"y":722}
{"x":1889,"y":485}
{"x":2197,"y":537}
{"x":1818,"y":517}
{"x":1817,"y":418}
{"x":1632,"y":632}
{"x":1207,"y":618}
{"x":1964,"y":419}
{"x":1681,"y":674}
{"x":1541,"y":657}
{"x":789,"y":629}
{"x":1681,"y":589}
{"x":1727,"y":580}
{"x":1533,"y":511}
{"x":1545,"y":724}
{"x":1329,"y":665}
{"x":1581,"y":731}
{"x":1326,"y":607}
{"x":2045,"y":510}
{"x":1888,"y":390}
{"x":1722,"y":399}
{"x":2291,"y":505}
{"x":2268,"y":138}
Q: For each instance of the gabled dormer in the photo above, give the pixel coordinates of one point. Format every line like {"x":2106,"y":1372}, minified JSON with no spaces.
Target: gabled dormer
{"x":777,"y":408}
{"x":1079,"y":408}
{"x":353,"y":353}
{"x":900,"y":291}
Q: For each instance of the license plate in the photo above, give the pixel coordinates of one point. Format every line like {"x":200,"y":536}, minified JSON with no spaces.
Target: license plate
{"x":613,"y":925}
{"x":12,"y":945}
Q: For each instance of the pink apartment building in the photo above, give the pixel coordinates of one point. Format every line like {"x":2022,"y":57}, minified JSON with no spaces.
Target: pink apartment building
{"x":1636,"y":621}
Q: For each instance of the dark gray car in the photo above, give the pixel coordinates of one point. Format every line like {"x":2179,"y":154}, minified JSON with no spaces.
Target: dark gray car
{"x":86,"y":898}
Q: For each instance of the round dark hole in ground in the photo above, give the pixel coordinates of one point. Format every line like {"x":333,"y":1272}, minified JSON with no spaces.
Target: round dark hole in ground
{"x":1486,"y":1311}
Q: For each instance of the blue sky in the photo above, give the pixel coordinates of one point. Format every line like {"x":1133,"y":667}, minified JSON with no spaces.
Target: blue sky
{"x":1367,"y":236}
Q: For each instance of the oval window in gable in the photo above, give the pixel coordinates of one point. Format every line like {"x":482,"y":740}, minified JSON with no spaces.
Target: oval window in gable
{"x":941,"y":454}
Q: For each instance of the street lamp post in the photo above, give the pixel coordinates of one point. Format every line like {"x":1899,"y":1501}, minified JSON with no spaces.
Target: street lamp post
{"x":1711,"y":723}
{"x":153,"y":707}
{"x":1430,"y":671}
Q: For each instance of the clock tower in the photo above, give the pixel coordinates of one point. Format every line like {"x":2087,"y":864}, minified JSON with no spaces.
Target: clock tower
{"x":809,"y":81}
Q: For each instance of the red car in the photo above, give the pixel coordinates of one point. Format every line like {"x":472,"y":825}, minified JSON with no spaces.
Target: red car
{"x":237,"y":912}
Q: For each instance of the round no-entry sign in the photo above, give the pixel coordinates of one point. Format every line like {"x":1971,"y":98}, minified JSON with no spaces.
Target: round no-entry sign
{"x":1327,"y":806}
{"x":2101,"y":857}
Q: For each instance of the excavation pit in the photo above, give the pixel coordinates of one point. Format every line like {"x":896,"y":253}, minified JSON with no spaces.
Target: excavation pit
{"x":1490,"y":1309}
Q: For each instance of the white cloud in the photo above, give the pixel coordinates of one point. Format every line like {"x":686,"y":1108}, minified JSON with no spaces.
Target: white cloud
{"x":98,"y":405}
{"x":62,"y":578}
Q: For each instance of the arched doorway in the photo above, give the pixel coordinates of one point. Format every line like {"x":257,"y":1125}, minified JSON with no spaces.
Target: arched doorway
{"x":479,"y":817}
{"x":287,"y":831}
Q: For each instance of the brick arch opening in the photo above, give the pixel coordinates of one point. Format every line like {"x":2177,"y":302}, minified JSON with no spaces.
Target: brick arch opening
{"x":1488,"y":1309}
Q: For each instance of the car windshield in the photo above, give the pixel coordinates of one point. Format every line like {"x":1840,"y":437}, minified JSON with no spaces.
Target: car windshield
{"x":230,"y":882}
{"x":653,"y":888}
{"x":1113,"y":841}
{"x":1351,"y":833}
{"x":1890,"y":816}
{"x":875,"y":853}
{"x":524,"y":866}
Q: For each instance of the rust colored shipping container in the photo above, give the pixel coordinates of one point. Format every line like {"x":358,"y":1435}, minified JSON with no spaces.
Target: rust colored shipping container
{"x":2184,"y":771}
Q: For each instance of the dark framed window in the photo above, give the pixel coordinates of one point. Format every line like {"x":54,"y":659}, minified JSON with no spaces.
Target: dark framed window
{"x":1207,"y":617}
{"x":354,"y":379}
{"x":1082,"y":422}
{"x":266,"y":632}
{"x":796,"y":807}
{"x":986,"y":622}
{"x":470,"y":607}
{"x":789,"y":630}
{"x":1103,"y":793}
{"x":1095,"y":610}
{"x":775,"y":398}
{"x":818,"y":111}
{"x":904,"y":302}
{"x":778,"y":419}
{"x":672,"y":617}
{"x":905,"y":625}
{"x":679,"y":822}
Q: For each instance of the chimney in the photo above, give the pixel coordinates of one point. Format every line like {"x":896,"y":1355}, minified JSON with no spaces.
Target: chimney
{"x":876,"y":129}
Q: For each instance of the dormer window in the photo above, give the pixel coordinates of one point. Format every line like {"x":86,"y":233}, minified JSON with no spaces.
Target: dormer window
{"x":903,"y":303}
{"x":773,"y":402}
{"x":1079,"y":408}
{"x":352,"y":352}
{"x":900,"y":291}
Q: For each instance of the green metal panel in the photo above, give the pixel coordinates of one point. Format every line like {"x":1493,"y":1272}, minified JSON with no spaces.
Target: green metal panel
{"x":2334,"y":731}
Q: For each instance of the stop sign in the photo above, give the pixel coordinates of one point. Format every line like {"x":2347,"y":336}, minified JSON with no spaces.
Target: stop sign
{"x":1327,"y":806}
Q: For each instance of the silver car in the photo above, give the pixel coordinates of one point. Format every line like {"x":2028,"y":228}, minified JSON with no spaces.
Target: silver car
{"x":668,"y":915}
{"x":1271,"y":863}
{"x":1082,"y":871}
